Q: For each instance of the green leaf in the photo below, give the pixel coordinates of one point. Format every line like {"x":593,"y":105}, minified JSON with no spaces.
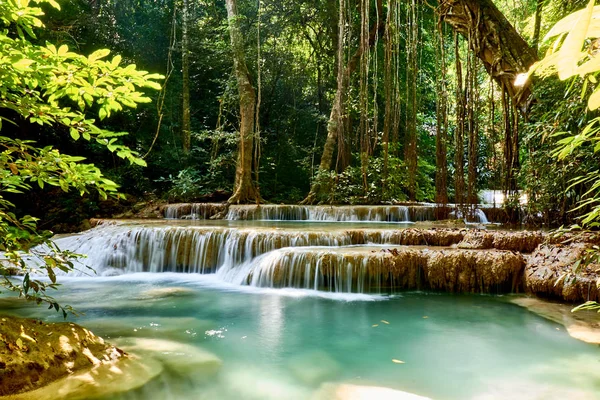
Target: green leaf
{"x":74,"y":133}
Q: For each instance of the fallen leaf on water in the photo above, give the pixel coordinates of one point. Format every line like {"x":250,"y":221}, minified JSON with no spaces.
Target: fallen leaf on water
{"x":395,"y":361}
{"x":425,"y":317}
{"x":374,"y":325}
{"x":385,"y":322}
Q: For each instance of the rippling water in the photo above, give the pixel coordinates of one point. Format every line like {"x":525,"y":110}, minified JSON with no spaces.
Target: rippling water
{"x":286,"y":343}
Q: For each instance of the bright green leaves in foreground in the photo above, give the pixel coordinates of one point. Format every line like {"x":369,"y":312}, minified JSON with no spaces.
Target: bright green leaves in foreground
{"x":49,"y":85}
{"x":575,"y":53}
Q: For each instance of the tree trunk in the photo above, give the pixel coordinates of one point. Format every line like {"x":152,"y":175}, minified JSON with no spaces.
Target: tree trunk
{"x":185,"y":67}
{"x":389,"y":86}
{"x":496,"y":42}
{"x":335,"y":124}
{"x":410,"y":149}
{"x":538,"y":24}
{"x":441,"y":138}
{"x":459,"y":176}
{"x":244,"y":188}
{"x":472,"y":106}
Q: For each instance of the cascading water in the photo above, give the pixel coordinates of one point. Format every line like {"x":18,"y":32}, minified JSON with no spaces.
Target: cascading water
{"x":334,"y":259}
{"x":347,"y":270}
{"x":192,"y":210}
{"x":320,"y":213}
{"x":118,"y":248}
{"x":276,"y":212}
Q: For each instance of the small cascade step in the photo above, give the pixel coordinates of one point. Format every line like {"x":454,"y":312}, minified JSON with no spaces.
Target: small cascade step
{"x":369,"y":269}
{"x":279,"y":212}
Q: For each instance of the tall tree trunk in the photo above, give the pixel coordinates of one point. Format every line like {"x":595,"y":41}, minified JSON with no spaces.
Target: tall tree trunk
{"x":459,"y":175}
{"x":244,"y":188}
{"x":441,"y":138}
{"x":410,"y":149}
{"x":537,"y":25}
{"x":472,"y":106}
{"x":335,"y":124}
{"x":185,"y":67}
{"x":364,"y":91}
{"x":389,"y":88}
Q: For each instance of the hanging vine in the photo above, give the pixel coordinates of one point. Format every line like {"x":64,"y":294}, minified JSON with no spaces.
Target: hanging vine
{"x":410,"y":149}
{"x":441,"y":145}
{"x":459,"y":178}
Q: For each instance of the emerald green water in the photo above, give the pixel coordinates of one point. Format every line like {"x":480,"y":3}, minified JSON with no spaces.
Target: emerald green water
{"x":283,"y":344}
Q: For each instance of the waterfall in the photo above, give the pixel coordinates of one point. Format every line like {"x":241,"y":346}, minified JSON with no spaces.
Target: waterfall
{"x":280,"y":212}
{"x":192,"y":210}
{"x":480,"y":216}
{"x":316,"y":268}
{"x":319,"y":213}
{"x":333,"y":259}
{"x":117,"y":248}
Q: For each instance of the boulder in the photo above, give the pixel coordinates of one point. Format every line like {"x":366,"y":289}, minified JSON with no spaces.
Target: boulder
{"x":344,"y":391}
{"x":34,"y":354}
{"x":180,"y":358}
{"x":102,"y":381}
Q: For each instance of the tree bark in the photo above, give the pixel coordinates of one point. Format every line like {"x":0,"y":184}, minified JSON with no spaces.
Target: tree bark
{"x":410,"y":149}
{"x":459,"y":175}
{"x":441,"y":137}
{"x":537,"y":25}
{"x":496,"y":42}
{"x":244,"y":189}
{"x":185,"y":67}
{"x":335,"y":124}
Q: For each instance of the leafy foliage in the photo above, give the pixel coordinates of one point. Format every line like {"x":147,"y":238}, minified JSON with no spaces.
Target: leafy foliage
{"x":46,"y":85}
{"x":573,"y":54}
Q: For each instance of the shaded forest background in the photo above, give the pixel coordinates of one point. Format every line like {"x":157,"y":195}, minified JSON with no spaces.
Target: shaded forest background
{"x":414,"y":80}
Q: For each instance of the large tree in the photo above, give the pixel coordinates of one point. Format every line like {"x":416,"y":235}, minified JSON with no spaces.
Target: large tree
{"x":334,"y":127}
{"x":245,"y":189}
{"x":504,"y":54}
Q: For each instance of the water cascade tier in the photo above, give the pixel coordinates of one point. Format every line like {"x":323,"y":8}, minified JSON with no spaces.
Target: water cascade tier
{"x":334,"y":259}
{"x":365,"y":269}
{"x":276,"y":212}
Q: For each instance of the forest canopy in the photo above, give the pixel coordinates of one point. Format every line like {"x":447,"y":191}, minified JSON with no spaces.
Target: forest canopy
{"x":349,"y":102}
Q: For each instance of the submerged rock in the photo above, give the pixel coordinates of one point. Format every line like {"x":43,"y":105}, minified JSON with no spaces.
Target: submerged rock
{"x":252,"y":383}
{"x":582,"y":325}
{"x":180,"y":358}
{"x":344,"y":391}
{"x":163,"y":292}
{"x":314,"y":367}
{"x":180,"y":328}
{"x":34,"y":354}
{"x":102,"y":381}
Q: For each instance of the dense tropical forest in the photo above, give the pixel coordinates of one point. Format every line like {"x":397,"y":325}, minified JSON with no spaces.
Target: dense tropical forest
{"x":361,"y":102}
{"x":262,"y":199}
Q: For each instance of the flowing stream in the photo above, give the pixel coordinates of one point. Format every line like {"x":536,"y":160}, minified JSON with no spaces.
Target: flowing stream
{"x":244,"y":309}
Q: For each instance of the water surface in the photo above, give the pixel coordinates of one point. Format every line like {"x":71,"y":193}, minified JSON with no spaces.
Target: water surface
{"x":285,"y":343}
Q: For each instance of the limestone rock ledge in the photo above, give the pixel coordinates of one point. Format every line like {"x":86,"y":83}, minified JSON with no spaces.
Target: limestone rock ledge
{"x":34,"y":354}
